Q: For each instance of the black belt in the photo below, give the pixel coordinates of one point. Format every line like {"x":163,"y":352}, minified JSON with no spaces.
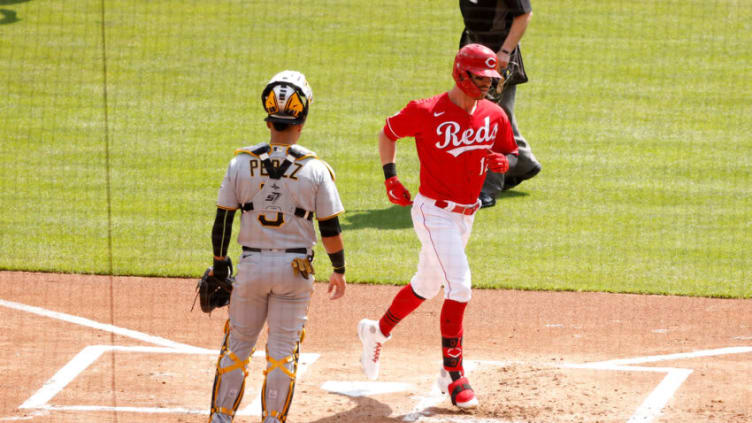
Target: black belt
{"x":286,"y":250}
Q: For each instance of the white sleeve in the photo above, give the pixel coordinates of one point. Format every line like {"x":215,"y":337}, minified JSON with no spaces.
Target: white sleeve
{"x":328,"y":203}
{"x":227,"y":198}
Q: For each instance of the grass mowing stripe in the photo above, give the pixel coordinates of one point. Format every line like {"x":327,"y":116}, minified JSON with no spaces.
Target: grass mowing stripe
{"x":640,"y":123}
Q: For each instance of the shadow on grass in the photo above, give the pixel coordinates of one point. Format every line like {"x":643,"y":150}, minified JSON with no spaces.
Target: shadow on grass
{"x":394,"y":217}
{"x":511,"y":194}
{"x":8,"y":16}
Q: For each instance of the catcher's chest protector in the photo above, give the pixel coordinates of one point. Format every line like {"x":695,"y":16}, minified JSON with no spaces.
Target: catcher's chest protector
{"x":277,"y":212}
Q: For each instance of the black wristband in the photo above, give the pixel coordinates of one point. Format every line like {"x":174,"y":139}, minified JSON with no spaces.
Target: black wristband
{"x":390,"y":170}
{"x":222,"y":268}
{"x":338,"y":261}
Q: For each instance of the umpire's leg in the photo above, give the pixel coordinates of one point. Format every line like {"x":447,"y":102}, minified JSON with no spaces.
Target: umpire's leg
{"x":526,"y":166}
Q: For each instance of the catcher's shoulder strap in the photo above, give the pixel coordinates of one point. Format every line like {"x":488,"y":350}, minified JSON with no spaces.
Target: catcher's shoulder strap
{"x":294,"y":153}
{"x":300,"y":152}
{"x":256,"y":150}
{"x":262,"y":151}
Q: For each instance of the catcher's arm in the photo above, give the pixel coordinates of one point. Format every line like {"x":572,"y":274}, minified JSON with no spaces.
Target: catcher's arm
{"x":331,"y":238}
{"x":221,"y":234}
{"x":215,"y":286}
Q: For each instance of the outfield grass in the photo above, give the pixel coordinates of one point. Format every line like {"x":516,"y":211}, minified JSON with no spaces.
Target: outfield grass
{"x":116,"y":127}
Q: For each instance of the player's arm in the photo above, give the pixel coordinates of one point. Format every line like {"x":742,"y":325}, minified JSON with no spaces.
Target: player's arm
{"x":516,"y":31}
{"x":387,"y":149}
{"x":221,"y":233}
{"x":396,"y":192}
{"x":331,"y":238}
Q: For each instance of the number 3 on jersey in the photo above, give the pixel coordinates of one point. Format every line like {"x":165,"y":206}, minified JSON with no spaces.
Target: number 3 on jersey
{"x":279,"y":221}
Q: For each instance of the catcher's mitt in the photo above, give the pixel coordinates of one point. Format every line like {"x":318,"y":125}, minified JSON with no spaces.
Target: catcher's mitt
{"x":213,"y":292}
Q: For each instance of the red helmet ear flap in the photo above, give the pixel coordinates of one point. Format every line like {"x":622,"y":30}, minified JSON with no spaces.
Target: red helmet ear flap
{"x":466,"y":84}
{"x":477,"y":60}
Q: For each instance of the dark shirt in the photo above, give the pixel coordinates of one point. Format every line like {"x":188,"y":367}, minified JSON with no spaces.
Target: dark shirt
{"x":489,"y":20}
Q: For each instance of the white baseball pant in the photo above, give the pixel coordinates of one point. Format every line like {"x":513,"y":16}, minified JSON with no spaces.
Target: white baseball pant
{"x":443,"y":235}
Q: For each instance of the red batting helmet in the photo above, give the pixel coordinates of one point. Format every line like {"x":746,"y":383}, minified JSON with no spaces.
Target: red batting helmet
{"x":477,"y":60}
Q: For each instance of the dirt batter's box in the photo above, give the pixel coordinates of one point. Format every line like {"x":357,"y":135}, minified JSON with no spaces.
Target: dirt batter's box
{"x":41,"y":400}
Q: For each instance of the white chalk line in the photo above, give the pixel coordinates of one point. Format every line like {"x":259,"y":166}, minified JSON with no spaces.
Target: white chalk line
{"x":421,"y":411}
{"x":434,"y":397}
{"x":653,"y":405}
{"x":151,"y":339}
{"x":90,"y":354}
{"x":646,"y":413}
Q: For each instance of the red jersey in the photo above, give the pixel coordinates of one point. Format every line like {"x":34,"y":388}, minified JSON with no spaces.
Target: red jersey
{"x":452,"y":144}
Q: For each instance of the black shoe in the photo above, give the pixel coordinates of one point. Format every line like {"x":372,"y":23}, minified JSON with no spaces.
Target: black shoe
{"x":486,"y":200}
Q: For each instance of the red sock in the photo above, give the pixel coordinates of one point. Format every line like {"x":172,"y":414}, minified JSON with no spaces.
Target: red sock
{"x":403,"y":304}
{"x":452,"y":314}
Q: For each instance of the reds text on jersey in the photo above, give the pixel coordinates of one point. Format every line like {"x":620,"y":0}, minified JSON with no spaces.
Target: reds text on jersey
{"x":452,"y":144}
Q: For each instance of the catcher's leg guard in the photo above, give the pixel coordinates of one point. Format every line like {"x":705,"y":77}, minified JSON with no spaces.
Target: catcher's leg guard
{"x":229,"y":380}
{"x":275,"y":407}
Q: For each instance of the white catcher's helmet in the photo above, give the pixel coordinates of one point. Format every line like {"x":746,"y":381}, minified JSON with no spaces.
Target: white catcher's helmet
{"x":286,"y":98}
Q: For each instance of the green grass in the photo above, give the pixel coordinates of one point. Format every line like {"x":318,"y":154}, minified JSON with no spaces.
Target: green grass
{"x":638,"y":112}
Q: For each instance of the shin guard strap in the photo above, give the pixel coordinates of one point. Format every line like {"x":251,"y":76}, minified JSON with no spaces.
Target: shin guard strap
{"x":281,"y":416}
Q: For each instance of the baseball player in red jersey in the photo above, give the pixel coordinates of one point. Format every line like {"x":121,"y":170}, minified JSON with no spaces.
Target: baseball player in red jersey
{"x":459,"y":136}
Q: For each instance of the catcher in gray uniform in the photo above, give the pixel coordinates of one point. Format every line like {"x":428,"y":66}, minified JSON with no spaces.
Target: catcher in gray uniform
{"x":279,"y":187}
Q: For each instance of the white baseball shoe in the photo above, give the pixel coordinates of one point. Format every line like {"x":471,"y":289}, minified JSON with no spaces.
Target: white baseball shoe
{"x":373,"y":340}
{"x":460,"y":392}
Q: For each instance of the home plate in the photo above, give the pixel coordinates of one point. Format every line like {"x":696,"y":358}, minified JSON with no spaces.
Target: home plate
{"x":364,"y":389}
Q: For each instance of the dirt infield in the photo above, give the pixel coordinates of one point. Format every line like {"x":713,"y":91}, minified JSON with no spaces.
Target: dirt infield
{"x":113,"y":349}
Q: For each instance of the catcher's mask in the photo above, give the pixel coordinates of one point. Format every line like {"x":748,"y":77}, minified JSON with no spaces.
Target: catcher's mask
{"x":478,"y":60}
{"x":286,"y":98}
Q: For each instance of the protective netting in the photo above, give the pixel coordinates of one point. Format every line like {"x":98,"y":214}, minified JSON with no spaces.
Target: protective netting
{"x":118,"y":119}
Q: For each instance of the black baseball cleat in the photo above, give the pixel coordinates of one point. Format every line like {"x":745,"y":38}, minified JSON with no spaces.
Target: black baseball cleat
{"x":486,"y":200}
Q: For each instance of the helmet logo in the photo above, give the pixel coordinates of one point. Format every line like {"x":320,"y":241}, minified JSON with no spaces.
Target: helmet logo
{"x":270,"y":104}
{"x":491,"y":62}
{"x":286,"y":98}
{"x":294,"y":105}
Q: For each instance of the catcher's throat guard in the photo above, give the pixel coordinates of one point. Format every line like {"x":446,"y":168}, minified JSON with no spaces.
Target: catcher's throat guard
{"x":213,"y":292}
